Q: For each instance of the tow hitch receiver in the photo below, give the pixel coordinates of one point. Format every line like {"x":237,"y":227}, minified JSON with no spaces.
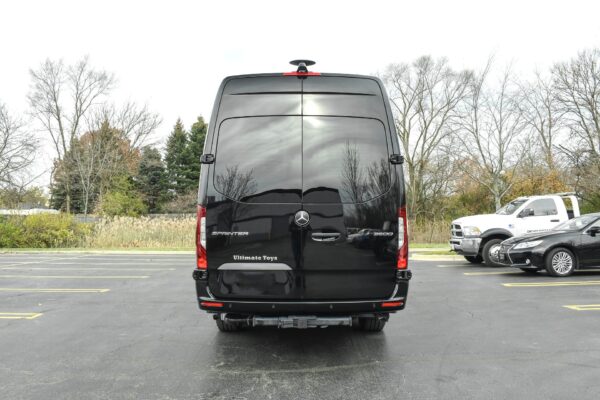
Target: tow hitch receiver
{"x":301,"y":321}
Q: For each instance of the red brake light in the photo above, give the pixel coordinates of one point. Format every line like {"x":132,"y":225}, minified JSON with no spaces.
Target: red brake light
{"x":392,"y":304}
{"x":296,"y":73}
{"x":201,"y":238}
{"x":211,"y":304}
{"x":402,"y":239}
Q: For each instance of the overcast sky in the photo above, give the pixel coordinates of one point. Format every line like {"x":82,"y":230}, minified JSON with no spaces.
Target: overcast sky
{"x":172,"y":55}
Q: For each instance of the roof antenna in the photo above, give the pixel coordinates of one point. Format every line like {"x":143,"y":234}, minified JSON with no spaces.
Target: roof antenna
{"x":302,"y":64}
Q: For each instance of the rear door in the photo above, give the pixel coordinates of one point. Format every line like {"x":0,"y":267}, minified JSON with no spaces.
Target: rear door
{"x":285,"y":145}
{"x":253,"y":247}
{"x":349,"y":247}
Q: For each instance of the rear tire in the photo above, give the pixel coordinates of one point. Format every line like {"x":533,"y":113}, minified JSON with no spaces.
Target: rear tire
{"x":492,"y":246}
{"x":371,"y":324}
{"x":560,"y":262}
{"x":228,"y":326}
{"x":474,"y":259}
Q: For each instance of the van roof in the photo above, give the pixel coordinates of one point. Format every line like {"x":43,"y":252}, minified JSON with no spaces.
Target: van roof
{"x":324,"y":74}
{"x":328,"y":94}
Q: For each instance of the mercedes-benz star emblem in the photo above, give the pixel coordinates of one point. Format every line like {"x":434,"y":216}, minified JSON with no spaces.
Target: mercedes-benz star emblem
{"x":301,"y":218}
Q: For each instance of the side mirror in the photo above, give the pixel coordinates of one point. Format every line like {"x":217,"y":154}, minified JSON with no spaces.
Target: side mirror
{"x":593,"y":231}
{"x":528,"y":212}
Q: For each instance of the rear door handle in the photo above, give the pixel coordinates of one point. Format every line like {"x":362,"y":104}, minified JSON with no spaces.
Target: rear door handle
{"x":555,"y":220}
{"x":326,"y":236}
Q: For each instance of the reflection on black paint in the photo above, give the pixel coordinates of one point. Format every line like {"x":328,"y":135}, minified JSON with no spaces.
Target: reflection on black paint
{"x":267,"y":148}
{"x":235,"y":184}
{"x":342,"y":156}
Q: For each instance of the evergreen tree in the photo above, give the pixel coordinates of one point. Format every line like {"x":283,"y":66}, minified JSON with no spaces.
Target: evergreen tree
{"x":151,"y":180}
{"x":64,"y":180}
{"x":178,"y":168}
{"x":194,"y":151}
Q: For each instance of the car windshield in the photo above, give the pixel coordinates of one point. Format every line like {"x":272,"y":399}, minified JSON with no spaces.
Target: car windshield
{"x":575,"y":224}
{"x":511,"y":207}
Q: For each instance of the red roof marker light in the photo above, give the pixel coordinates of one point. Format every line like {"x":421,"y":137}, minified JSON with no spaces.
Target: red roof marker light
{"x":302,"y":70}
{"x":296,"y":73}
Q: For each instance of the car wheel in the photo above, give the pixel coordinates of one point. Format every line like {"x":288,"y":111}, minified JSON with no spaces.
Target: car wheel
{"x":228,"y":326}
{"x":560,"y":262}
{"x":530,"y":271}
{"x":371,"y":324}
{"x":490,"y":252}
{"x":474,"y":259}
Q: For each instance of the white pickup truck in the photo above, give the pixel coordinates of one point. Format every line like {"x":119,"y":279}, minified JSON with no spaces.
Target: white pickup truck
{"x":478,"y":237}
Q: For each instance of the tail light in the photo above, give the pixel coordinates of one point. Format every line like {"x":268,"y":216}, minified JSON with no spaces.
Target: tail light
{"x":402,"y":238}
{"x":211,"y":304}
{"x":392,"y":304}
{"x":201,"y":238}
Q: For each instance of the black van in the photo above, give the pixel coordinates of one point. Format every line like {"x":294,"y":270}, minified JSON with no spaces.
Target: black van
{"x":301,"y":207}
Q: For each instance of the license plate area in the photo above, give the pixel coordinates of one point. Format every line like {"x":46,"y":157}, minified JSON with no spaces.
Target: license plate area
{"x":253,"y":284}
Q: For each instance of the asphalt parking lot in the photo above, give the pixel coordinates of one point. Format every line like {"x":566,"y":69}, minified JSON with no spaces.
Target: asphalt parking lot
{"x":99,"y":326}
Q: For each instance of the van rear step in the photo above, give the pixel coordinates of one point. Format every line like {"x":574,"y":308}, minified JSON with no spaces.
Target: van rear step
{"x":293,"y":321}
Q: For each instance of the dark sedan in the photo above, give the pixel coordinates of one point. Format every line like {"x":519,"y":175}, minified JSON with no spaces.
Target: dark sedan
{"x":570,"y":246}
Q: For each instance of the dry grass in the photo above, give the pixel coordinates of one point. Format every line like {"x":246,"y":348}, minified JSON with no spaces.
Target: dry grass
{"x":178,"y":233}
{"x":143,"y":233}
{"x":429,"y":231}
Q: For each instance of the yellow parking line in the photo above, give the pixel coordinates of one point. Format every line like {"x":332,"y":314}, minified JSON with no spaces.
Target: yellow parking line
{"x":548,"y":284}
{"x":75,"y":276}
{"x":17,"y":315}
{"x":83,"y":269}
{"x":54,"y":290}
{"x":584,"y":307}
{"x":490,"y":273}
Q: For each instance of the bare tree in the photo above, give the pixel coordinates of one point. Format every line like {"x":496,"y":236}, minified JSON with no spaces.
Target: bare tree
{"x":135,"y":123}
{"x":61,"y":97}
{"x":110,"y":147}
{"x":352,"y":179}
{"x":114,"y":135}
{"x":578,"y":89}
{"x":95,"y":155}
{"x":424,"y":95}
{"x":542,"y":114}
{"x":17,"y":148}
{"x":490,"y":126}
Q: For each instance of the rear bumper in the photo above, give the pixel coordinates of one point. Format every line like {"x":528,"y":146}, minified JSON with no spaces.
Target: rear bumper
{"x":211,"y":304}
{"x":301,"y":307}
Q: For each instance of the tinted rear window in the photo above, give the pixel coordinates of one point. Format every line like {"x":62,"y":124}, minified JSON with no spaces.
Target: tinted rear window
{"x":267,"y":152}
{"x":345,"y":160}
{"x":261,"y":96}
{"x":258,"y":159}
{"x":356,"y":97}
